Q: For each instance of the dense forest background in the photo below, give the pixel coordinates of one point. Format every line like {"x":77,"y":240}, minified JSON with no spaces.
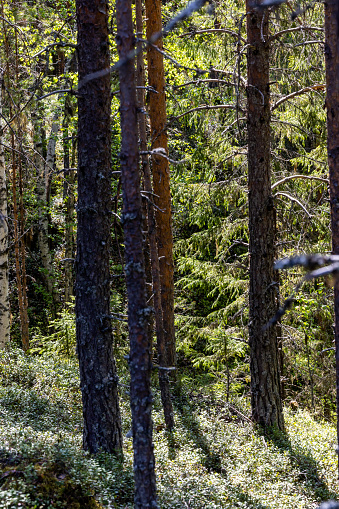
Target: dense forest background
{"x":206,"y":87}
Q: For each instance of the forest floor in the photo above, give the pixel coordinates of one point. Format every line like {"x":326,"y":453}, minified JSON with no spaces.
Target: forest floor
{"x":215,"y":458}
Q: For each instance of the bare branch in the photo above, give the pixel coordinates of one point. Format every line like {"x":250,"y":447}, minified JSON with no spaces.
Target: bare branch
{"x":211,"y":31}
{"x":55,"y":44}
{"x":292,"y":30}
{"x":292,"y":177}
{"x":298,"y":92}
{"x":308,"y":42}
{"x":292,"y":198}
{"x":267,"y":3}
{"x":208,"y":107}
{"x":63,"y":91}
{"x":192,"y":7}
{"x":198,"y":82}
{"x":162,"y":153}
{"x":310,"y":262}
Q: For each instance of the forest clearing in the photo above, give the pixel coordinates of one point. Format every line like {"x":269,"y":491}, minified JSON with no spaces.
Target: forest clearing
{"x":169,"y":254}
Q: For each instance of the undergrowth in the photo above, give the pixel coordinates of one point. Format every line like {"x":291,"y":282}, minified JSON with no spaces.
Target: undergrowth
{"x":215,"y":458}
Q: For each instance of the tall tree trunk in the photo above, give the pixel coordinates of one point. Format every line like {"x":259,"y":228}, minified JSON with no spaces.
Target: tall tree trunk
{"x":69,"y":212}
{"x":265,"y":380}
{"x":155,"y":268}
{"x":332,"y":105}
{"x":161,"y":175}
{"x":138,"y":311}
{"x":19,"y":252}
{"x":44,"y":163}
{"x":19,"y":246}
{"x":4,"y":288}
{"x":102,"y":426}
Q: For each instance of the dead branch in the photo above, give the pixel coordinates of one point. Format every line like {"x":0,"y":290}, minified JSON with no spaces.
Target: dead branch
{"x":292,"y":198}
{"x":294,"y":29}
{"x":298,"y":92}
{"x":292,"y":177}
{"x":211,"y":31}
{"x":208,"y":107}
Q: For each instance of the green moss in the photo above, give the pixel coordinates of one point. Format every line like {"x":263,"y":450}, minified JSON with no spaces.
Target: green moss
{"x":45,"y":484}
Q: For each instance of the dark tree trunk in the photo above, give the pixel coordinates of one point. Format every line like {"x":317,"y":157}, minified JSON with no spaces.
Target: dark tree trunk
{"x":154,"y":256}
{"x":138,"y":311}
{"x":142,"y":129}
{"x":265,"y":380}
{"x":332,"y":104}
{"x":102,"y":427}
{"x":161,"y":175}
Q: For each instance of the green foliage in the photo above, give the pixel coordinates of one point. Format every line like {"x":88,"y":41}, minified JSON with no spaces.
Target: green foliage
{"x":214,"y":458}
{"x":209,"y":191}
{"x":62,"y":338}
{"x":41,"y":457}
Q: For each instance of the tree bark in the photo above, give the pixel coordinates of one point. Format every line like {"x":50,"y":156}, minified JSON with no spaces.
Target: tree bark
{"x":44,"y":163}
{"x":265,"y":380}
{"x":332,"y":105}
{"x":151,"y":224}
{"x":4,"y":286}
{"x":19,"y":245}
{"x":138,"y":311}
{"x":69,"y":210}
{"x":19,"y":252}
{"x":102,"y":426}
{"x":161,"y":175}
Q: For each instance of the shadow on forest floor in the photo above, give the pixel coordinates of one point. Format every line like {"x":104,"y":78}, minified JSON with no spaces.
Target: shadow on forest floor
{"x":211,"y":460}
{"x":301,"y":459}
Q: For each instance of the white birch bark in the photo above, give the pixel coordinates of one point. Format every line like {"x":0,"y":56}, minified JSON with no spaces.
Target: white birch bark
{"x":4,"y":286}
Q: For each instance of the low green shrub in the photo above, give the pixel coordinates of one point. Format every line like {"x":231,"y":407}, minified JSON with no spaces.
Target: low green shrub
{"x":215,"y":457}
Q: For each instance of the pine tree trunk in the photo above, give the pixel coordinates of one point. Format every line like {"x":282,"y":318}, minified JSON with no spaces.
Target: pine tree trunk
{"x":142,"y":129}
{"x":265,"y":380}
{"x":4,"y":288}
{"x":161,"y":175}
{"x":332,"y":105}
{"x":102,"y":426}
{"x":138,"y":311}
{"x":154,"y":256}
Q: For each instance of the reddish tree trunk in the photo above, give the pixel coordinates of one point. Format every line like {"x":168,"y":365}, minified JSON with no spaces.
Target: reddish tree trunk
{"x":138,"y":311}
{"x":265,"y":380}
{"x":102,"y":427}
{"x":154,"y":256}
{"x":332,"y":104}
{"x":161,"y":175}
